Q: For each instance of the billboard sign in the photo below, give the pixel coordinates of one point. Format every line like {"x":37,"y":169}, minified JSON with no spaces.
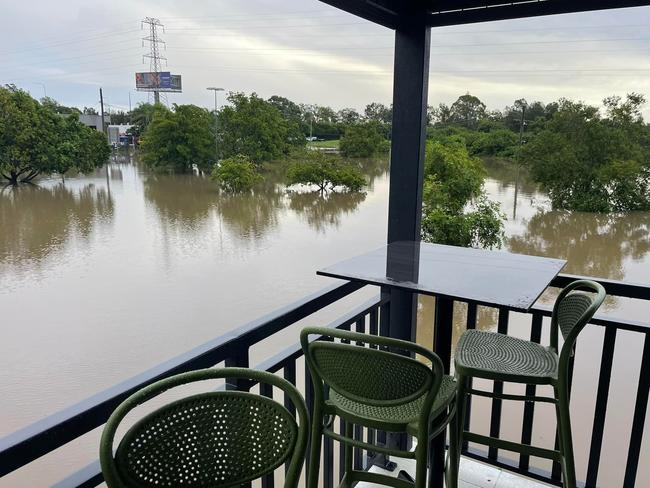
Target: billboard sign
{"x":163,"y":81}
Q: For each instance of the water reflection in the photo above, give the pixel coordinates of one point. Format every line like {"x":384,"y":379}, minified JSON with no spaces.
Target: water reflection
{"x":183,"y":202}
{"x":251,"y":215}
{"x":37,"y":221}
{"x":324,"y":210}
{"x":593,"y":244}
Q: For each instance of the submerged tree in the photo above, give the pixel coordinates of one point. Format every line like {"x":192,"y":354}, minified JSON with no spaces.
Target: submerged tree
{"x":325,"y":172}
{"x":456,"y":210}
{"x":35,"y":140}
{"x":177,"y":139}
{"x":236,"y":174}
{"x":257,"y":128}
{"x":588,"y":162}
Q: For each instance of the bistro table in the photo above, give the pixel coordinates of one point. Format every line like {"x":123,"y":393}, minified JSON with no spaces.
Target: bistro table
{"x":498,"y":279}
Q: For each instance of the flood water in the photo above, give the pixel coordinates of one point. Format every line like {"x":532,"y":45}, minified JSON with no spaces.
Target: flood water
{"x":104,"y":276}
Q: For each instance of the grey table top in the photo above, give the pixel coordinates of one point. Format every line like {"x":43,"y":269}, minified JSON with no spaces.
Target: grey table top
{"x":489,"y":277}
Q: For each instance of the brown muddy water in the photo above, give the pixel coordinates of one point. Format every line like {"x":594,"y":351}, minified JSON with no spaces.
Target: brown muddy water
{"x":104,"y":276}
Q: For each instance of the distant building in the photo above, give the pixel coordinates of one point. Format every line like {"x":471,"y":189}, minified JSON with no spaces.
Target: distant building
{"x":94,"y":121}
{"x":117,"y":135}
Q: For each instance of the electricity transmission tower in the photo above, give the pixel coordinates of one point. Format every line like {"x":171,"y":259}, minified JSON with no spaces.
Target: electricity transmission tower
{"x":154,"y":41}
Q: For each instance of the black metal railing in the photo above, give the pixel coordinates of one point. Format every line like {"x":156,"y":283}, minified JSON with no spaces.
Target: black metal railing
{"x":233,"y":349}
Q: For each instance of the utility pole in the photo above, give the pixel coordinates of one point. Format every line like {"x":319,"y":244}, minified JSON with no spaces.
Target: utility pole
{"x":522,"y":126}
{"x":216,"y":120}
{"x":101,"y":103}
{"x":130,"y":101}
{"x":154,"y":53}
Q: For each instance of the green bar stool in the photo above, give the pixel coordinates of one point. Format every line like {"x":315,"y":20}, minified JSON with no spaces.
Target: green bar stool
{"x":213,"y":439}
{"x":501,"y":357}
{"x":362,"y":382}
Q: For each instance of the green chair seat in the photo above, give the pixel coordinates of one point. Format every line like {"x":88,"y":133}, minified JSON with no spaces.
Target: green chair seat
{"x":396,"y":418}
{"x":502,"y":357}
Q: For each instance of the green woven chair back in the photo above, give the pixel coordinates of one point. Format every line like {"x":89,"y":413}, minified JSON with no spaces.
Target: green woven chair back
{"x":364,"y":374}
{"x":213,"y":439}
{"x":571,"y":309}
{"x":574,"y":307}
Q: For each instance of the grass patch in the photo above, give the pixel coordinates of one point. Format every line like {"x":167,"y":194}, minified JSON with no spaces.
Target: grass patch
{"x":332,"y":144}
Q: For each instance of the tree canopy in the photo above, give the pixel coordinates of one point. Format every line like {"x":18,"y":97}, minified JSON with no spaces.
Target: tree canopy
{"x":257,"y":128}
{"x":179,"y":138}
{"x":362,"y":140}
{"x":324,"y":171}
{"x":236,"y":174}
{"x":36,"y":140}
{"x":456,"y":210}
{"x":592,"y":162}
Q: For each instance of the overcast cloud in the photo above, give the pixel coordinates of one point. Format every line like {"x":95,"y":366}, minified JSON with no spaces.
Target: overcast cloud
{"x":312,"y":53}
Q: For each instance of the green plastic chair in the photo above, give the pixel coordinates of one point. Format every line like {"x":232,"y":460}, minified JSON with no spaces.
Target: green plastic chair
{"x":500,"y":357}
{"x":213,"y":439}
{"x":372,"y":387}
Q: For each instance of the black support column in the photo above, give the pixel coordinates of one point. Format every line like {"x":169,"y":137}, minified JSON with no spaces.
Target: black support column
{"x":410,"y":87}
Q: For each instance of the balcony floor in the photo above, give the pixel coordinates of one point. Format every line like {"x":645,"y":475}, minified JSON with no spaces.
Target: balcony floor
{"x":473,"y":474}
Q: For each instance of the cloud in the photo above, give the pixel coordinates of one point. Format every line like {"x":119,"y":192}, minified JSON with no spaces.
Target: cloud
{"x":313,"y":53}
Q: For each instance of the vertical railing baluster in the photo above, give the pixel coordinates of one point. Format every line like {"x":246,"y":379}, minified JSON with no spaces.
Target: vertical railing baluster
{"x":290,"y":375}
{"x":604,"y":378}
{"x":495,"y":416}
{"x":472,"y":311}
{"x":359,"y":326}
{"x":373,"y":328}
{"x":529,"y":407}
{"x":309,"y":401}
{"x":442,"y":335}
{"x":239,"y":359}
{"x":638,"y":420}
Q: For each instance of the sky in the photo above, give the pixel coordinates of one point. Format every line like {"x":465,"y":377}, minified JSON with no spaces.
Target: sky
{"x":310,"y":52}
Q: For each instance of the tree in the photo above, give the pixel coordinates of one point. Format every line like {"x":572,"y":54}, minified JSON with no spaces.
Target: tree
{"x":142,"y":115}
{"x":56,"y":107}
{"x":378,"y":112}
{"x":456,"y":210}
{"x":362,"y":140}
{"x":90,"y":111}
{"x":256,"y":128}
{"x":177,"y":139}
{"x":467,"y":111}
{"x":34,"y":140}
{"x":236,"y":174}
{"x":325,"y":172}
{"x":592,"y":163}
{"x":348,"y":116}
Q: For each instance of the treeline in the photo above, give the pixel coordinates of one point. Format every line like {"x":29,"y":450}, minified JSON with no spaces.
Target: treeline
{"x":586,"y":158}
{"x":262,"y":130}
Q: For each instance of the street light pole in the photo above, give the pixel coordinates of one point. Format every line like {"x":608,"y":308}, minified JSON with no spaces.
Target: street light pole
{"x":43,"y":85}
{"x":216,"y":120}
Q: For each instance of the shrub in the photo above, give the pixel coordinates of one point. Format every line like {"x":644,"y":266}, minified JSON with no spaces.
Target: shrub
{"x":236,"y":174}
{"x":325,"y":172}
{"x":362,"y":140}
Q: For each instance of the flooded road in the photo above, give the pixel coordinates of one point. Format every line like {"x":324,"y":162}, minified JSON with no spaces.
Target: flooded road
{"x":107,"y":275}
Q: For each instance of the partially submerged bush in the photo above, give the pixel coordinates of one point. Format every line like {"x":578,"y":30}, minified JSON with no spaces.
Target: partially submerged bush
{"x":236,"y":174}
{"x":325,"y":172}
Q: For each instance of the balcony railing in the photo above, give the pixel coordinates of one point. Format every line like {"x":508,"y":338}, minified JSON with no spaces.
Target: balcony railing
{"x":233,"y":349}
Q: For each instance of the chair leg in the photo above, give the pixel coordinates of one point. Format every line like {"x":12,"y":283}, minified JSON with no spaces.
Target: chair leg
{"x":313,"y":471}
{"x":456,"y":434}
{"x":349,"y":433}
{"x":565,"y":437}
{"x":421,"y":462}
